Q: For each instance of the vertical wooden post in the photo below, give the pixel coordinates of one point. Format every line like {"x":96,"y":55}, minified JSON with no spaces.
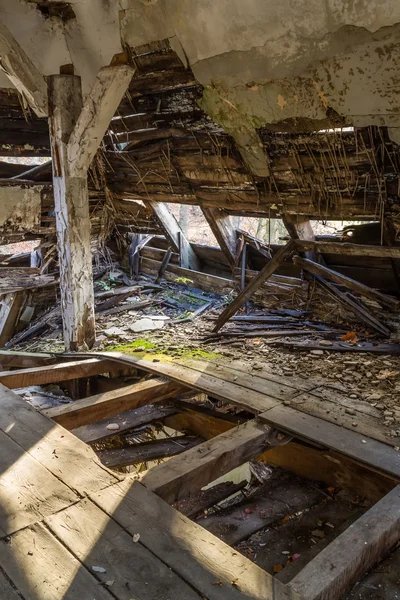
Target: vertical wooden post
{"x":300,"y":228}
{"x":72,"y":216}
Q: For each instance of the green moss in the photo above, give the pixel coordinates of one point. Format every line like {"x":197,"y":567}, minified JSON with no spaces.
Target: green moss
{"x":132,"y":346}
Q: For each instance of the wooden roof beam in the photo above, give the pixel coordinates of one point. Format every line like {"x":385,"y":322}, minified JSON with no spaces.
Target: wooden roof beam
{"x":22,"y":73}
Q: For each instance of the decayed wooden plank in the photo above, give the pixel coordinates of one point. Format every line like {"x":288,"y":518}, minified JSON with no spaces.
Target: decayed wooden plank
{"x":189,"y":472}
{"x":207,"y":564}
{"x":146,"y":451}
{"x":351,"y":554}
{"x":55,"y":373}
{"x":375,"y":454}
{"x":69,"y":459}
{"x":356,"y":286}
{"x":42,"y":569}
{"x":100,"y":406}
{"x":94,"y":432}
{"x":222,"y":390}
{"x":28,"y":492}
{"x":255,"y":283}
{"x":22,"y":360}
{"x":96,"y":539}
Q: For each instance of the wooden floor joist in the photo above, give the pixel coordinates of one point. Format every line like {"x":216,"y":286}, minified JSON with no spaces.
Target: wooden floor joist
{"x":56,"y":373}
{"x":189,"y":472}
{"x":108,"y":404}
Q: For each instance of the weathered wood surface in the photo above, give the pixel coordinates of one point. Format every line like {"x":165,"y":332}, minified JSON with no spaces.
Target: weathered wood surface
{"x":197,"y":467}
{"x":146,"y":451}
{"x":270,"y":268}
{"x":56,"y":373}
{"x":95,"y":539}
{"x":351,"y":554}
{"x":60,"y":452}
{"x":218,"y":388}
{"x":28,"y":492}
{"x":377,"y":455}
{"x":188,"y":549}
{"x":100,"y":105}
{"x":26,"y":558}
{"x":101,"y":406}
{"x":97,"y":431}
{"x":71,"y":201}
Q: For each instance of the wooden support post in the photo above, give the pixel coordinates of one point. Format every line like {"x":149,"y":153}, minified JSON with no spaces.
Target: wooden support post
{"x":21,"y":71}
{"x":269,"y":269}
{"x":174,"y":235}
{"x":76,"y":131}
{"x":221,"y":226}
{"x":71,"y":201}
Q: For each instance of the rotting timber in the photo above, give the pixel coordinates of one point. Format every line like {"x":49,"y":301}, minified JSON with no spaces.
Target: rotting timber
{"x":160,"y":147}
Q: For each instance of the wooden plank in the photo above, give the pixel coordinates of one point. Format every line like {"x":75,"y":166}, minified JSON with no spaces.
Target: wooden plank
{"x":130,"y":419}
{"x":364,"y":450}
{"x":100,"y":105}
{"x":22,"y":73}
{"x":371,"y":347}
{"x":277,"y":386}
{"x":96,"y":539}
{"x":60,"y":452}
{"x":188,"y":549}
{"x":108,"y":404}
{"x":55,"y":373}
{"x":222,"y":390}
{"x":189,"y":472}
{"x":201,"y":420}
{"x":254,"y":285}
{"x":356,"y":286}
{"x":336,"y":407}
{"x":28,"y":492}
{"x":16,"y":359}
{"x":349,"y":249}
{"x":146,"y":451}
{"x":353,"y":553}
{"x":42,"y":569}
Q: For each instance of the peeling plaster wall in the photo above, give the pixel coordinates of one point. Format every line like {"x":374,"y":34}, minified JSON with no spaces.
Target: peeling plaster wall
{"x":263,"y":61}
{"x":20,"y":208}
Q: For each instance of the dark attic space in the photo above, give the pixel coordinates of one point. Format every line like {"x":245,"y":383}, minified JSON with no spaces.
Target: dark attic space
{"x":199,"y":300}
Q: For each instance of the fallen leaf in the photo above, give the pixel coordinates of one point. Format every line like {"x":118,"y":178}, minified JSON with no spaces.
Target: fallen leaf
{"x":278,"y":568}
{"x":110,"y":582}
{"x":136,"y":537}
{"x":219,"y":582}
{"x":350,"y":336}
{"x":285,"y":519}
